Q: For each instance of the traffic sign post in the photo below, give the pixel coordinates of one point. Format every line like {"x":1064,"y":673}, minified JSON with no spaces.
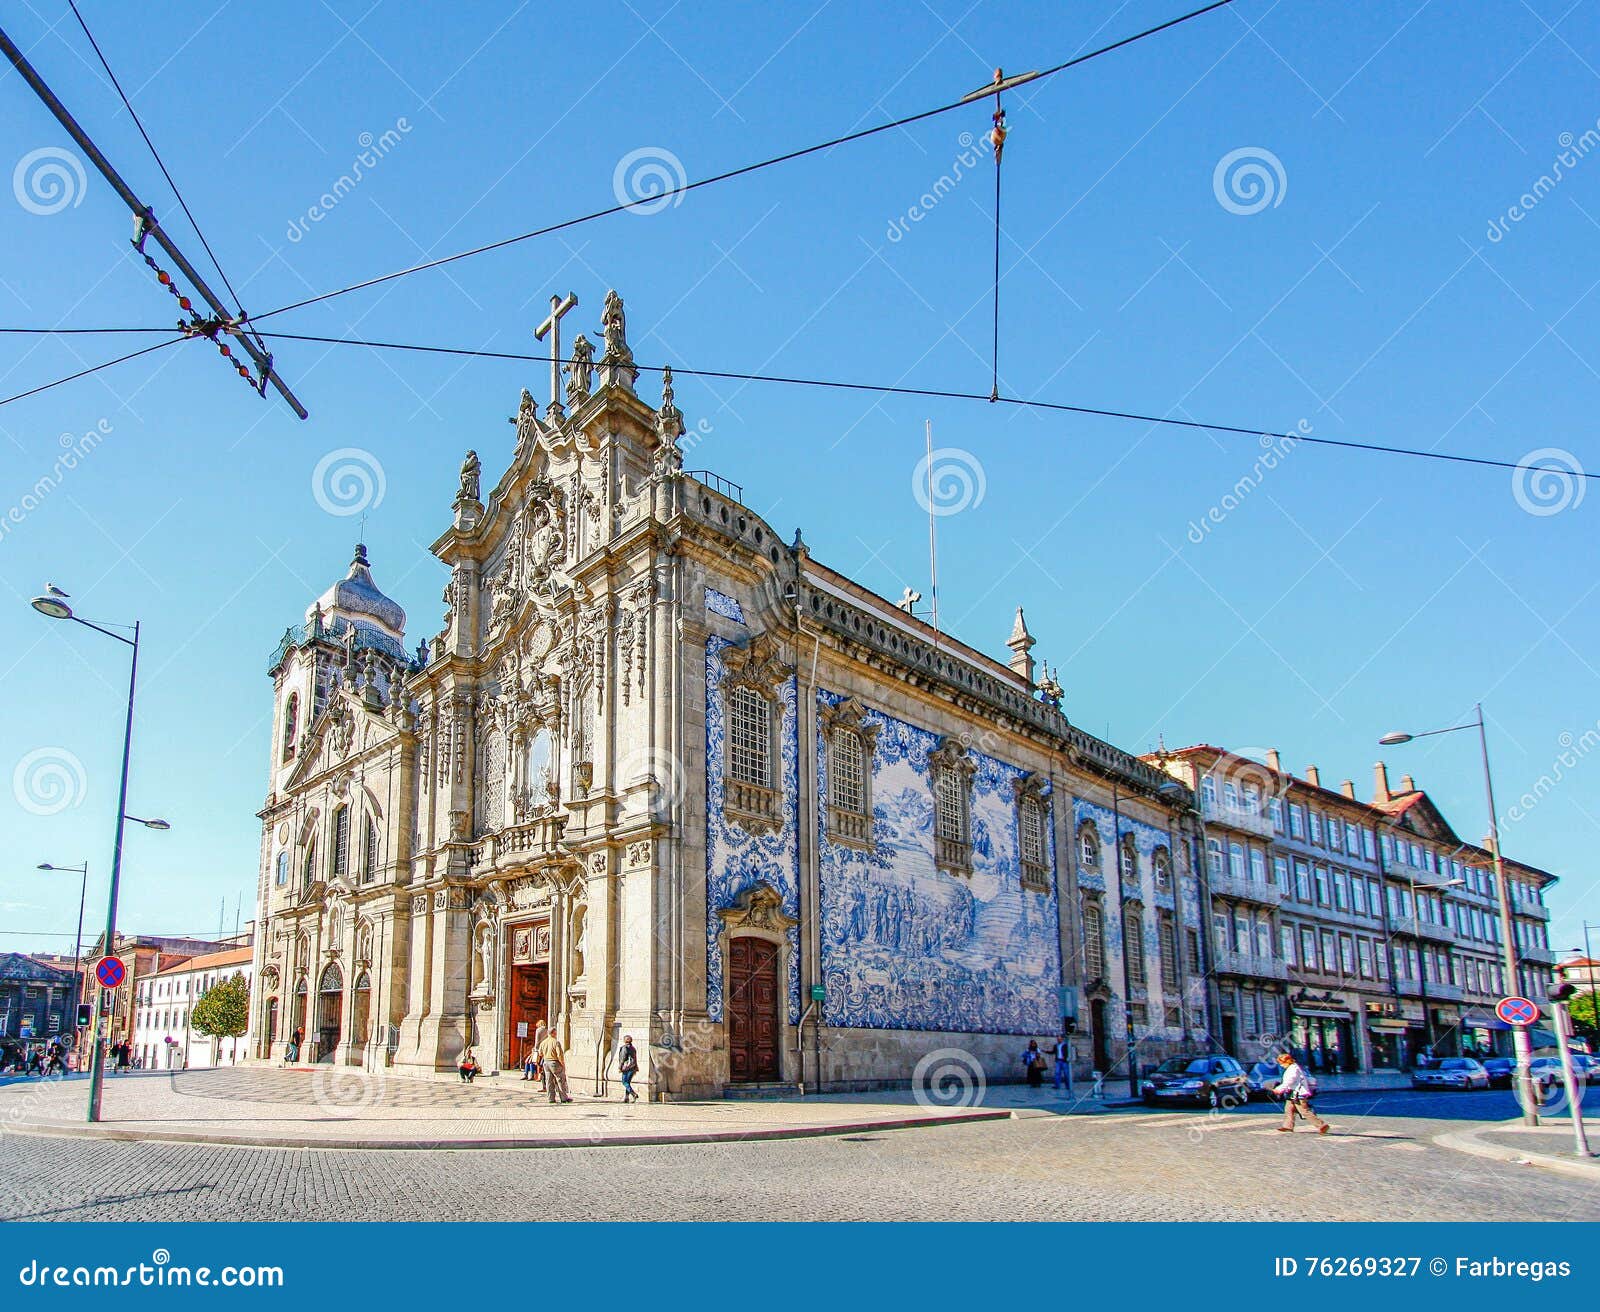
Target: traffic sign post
{"x":110,"y":972}
{"x":1517,"y":1011}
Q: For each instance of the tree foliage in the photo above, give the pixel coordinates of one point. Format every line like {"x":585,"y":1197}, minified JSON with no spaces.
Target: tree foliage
{"x":223,"y":1011}
{"x":1585,"y":1011}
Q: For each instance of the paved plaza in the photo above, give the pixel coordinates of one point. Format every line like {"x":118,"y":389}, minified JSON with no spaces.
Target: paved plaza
{"x":1039,"y":1163}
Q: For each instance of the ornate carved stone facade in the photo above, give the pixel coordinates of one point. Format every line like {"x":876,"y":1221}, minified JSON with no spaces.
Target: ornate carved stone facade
{"x":602,"y":797}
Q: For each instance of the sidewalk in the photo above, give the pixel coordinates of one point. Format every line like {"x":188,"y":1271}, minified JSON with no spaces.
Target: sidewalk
{"x":1549,"y":1145}
{"x":343,"y":1108}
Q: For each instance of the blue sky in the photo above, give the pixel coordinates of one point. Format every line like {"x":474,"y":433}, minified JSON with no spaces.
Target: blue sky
{"x":1360,"y":294}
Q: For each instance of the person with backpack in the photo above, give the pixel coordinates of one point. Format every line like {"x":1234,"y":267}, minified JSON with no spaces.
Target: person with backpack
{"x":1297,"y":1089}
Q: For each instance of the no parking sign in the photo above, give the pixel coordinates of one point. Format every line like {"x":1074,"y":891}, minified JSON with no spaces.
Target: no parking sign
{"x":1516,"y":1011}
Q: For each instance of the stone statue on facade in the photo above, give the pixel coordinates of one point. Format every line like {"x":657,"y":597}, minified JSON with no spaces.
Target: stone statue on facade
{"x":618,"y":360}
{"x":526,"y":419}
{"x":580,"y":372}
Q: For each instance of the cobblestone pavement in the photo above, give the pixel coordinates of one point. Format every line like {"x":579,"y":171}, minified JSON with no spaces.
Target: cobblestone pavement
{"x":1113,"y":1165}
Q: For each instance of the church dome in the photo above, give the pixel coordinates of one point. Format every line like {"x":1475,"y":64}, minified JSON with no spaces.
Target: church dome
{"x":357,"y":599}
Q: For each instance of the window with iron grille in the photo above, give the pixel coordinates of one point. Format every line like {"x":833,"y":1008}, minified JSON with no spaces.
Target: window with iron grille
{"x":1094,"y":939}
{"x":310,"y":871}
{"x":369,"y":853}
{"x":1167,"y":946}
{"x":950,"y":814}
{"x":1133,"y":942}
{"x":1088,"y":847}
{"x":1032,"y":845}
{"x":749,"y":737}
{"x":845,"y":779}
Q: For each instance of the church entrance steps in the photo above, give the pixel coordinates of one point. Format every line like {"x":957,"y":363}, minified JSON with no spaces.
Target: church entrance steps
{"x":771,"y":1089}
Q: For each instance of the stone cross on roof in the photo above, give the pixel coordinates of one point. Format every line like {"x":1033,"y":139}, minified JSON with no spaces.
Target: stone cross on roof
{"x":552,"y":328}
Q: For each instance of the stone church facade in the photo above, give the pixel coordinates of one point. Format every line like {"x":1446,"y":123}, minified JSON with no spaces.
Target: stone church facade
{"x":663,"y":773}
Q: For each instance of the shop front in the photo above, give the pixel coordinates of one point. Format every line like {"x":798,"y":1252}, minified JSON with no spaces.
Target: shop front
{"x":1325,"y":1041}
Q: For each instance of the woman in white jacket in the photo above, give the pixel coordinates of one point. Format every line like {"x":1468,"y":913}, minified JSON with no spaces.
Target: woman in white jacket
{"x":1295,"y":1090}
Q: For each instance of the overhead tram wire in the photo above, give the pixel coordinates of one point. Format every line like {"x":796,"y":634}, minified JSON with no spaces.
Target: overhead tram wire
{"x":784,"y":158}
{"x":92,"y":369}
{"x":160,"y":163}
{"x":886,"y":389}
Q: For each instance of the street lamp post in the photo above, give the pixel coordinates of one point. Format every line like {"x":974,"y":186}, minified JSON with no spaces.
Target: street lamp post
{"x":53,"y":605}
{"x":1519,"y":1034}
{"x":77,"y":942}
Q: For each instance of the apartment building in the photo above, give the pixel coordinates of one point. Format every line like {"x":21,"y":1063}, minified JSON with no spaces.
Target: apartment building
{"x":1359,"y":933}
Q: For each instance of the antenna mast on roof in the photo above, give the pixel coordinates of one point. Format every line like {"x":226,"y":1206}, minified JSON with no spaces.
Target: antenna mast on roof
{"x":933,"y":535}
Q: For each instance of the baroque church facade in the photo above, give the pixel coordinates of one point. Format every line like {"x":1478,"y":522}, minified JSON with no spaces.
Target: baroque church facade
{"x":664,"y":773}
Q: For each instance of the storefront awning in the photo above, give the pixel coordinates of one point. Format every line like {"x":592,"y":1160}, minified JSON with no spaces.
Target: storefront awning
{"x":1322,"y":1011}
{"x":1387,"y":1026}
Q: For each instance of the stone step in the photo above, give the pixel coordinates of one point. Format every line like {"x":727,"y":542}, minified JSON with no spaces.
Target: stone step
{"x":772,"y":1089}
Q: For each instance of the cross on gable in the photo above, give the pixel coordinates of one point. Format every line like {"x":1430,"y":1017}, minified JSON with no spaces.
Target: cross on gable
{"x":552,"y":328}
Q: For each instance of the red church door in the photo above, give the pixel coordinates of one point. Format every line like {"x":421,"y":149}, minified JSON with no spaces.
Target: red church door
{"x":753,"y":1029}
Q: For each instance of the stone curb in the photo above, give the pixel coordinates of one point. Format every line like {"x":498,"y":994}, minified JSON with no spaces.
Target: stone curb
{"x":1467,"y":1141}
{"x":58,"y":1130}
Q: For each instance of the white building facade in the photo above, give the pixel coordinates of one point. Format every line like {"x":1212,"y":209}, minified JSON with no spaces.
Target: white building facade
{"x":164,"y":1037}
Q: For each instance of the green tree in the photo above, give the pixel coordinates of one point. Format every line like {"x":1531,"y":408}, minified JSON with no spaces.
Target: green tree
{"x":223,"y":1011}
{"x":1585,"y":1010}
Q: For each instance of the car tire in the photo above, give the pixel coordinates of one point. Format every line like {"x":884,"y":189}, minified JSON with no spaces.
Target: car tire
{"x":1149,"y":1100}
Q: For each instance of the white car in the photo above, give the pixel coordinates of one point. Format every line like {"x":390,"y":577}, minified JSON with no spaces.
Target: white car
{"x":1451,"y":1073}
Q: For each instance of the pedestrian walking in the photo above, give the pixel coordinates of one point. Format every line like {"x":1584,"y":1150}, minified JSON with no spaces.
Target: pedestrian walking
{"x":1296,"y":1089}
{"x":1033,"y":1064}
{"x":1063,"y":1079}
{"x":628,"y":1064}
{"x":554,"y":1059}
{"x":291,"y":1051}
{"x":468,"y":1067}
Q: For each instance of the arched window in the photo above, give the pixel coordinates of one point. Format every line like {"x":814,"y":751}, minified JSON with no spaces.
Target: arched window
{"x":291,"y":722}
{"x":1128,"y":859}
{"x":1133,"y":941}
{"x":1088,"y":846}
{"x":953,"y":770}
{"x":1033,"y":836}
{"x":341,"y":842}
{"x":282,"y":876}
{"x":845,"y":782}
{"x":1161,"y":864}
{"x":309,"y":872}
{"x":369,"y":852}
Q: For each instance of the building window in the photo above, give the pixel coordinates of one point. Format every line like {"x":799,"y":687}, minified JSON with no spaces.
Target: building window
{"x":281,"y":878}
{"x":1236,"y":860}
{"x":309,"y":873}
{"x":953,"y":770}
{"x":851,"y":742}
{"x":749,"y":738}
{"x":1364,"y":956}
{"x":1161,"y":865}
{"x":1088,"y":846}
{"x":291,"y":722}
{"x":1258,"y":866}
{"x":1316,"y":827}
{"x":1033,"y":844}
{"x":1286,"y":942}
{"x":1335,"y":835}
{"x":1275,"y":810}
{"x":1191,"y":940}
{"x":1094,"y":939}
{"x":1214,"y":857}
{"x":341,"y":842}
{"x":1128,"y":859}
{"x":369,"y":852}
{"x":1297,"y":824}
{"x":1280,"y":872}
{"x":1133,"y":942}
{"x":1321,"y":876}
{"x":1167,"y":948}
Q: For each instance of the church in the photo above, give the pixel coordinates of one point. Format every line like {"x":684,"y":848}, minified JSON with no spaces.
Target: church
{"x":662,"y":772}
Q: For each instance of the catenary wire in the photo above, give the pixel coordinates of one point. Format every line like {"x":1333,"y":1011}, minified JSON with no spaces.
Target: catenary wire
{"x":784,"y":158}
{"x":160,"y":163}
{"x":1025,"y":403}
{"x":92,"y":369}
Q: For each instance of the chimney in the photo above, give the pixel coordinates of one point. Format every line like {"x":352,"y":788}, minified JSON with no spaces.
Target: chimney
{"x":1406,"y":785}
{"x":1313,"y":777}
{"x":1273,"y":762}
{"x":1348,"y":788}
{"x":1380,"y":782}
{"x":1021,"y":644}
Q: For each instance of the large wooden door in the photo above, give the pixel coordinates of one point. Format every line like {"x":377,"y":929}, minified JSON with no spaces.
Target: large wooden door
{"x":753,"y":1030}
{"x":530,"y":998}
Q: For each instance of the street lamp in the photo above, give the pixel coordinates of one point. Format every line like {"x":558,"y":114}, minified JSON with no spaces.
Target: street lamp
{"x":77,"y":942}
{"x":1519,"y":1033}
{"x":52,"y":604}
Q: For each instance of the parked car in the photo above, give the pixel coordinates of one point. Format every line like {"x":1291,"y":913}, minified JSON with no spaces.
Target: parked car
{"x":1500,"y":1070}
{"x":1264,"y":1077}
{"x":1215,"y":1080}
{"x":1451,"y":1073}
